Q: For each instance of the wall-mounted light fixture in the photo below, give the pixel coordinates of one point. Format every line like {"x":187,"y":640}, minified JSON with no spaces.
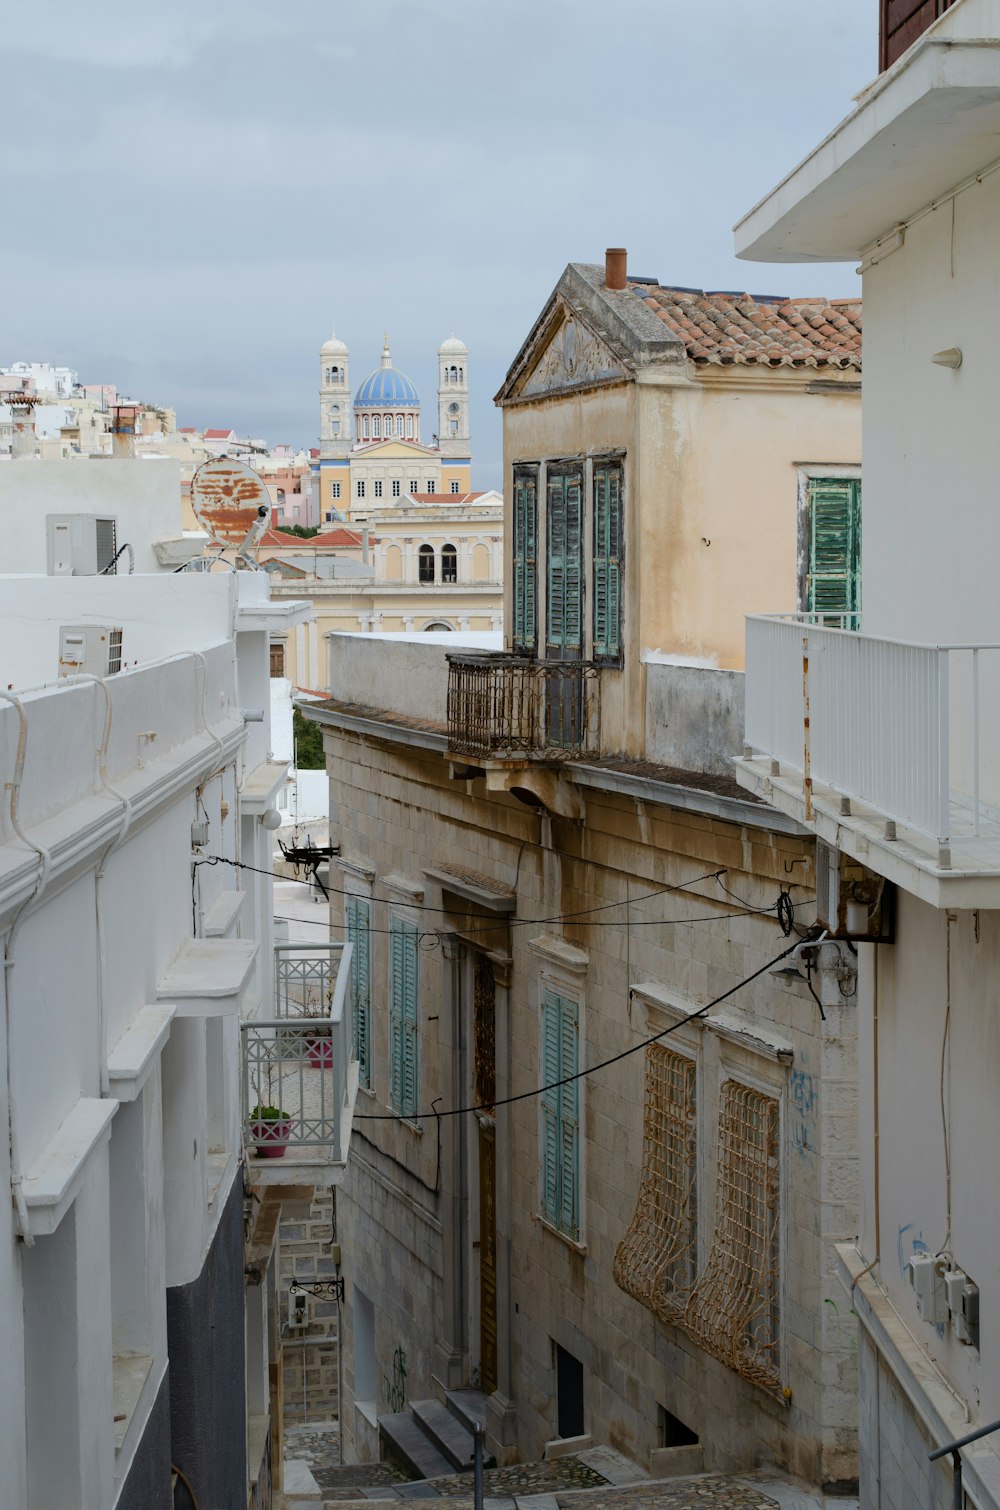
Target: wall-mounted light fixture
{"x":270,"y":819}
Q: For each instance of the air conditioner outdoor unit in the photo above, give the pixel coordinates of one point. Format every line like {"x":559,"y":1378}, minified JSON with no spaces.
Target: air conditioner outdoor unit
{"x":80,"y":545}
{"x":852,"y":902}
{"x":92,"y":648}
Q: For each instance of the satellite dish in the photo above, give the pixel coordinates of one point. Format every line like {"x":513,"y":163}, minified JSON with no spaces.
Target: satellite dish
{"x":231,"y":503}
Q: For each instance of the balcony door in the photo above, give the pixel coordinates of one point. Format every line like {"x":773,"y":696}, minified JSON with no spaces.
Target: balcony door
{"x":833,"y":550}
{"x":564,"y":607}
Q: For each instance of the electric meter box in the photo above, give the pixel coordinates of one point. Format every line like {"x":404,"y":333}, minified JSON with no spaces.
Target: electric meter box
{"x":93,"y":649}
{"x":852,"y":902}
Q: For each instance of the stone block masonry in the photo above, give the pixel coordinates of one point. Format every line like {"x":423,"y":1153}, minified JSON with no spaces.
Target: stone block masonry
{"x":309,"y":1354}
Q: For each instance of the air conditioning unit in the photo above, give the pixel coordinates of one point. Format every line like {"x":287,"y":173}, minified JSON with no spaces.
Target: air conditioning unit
{"x":852,"y":902}
{"x":92,"y":648}
{"x":80,"y":545}
{"x":927,"y":1278}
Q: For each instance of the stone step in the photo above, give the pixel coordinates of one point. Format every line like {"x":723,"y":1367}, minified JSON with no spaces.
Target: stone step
{"x":467,"y":1406}
{"x":446,"y":1431}
{"x":405,"y":1444}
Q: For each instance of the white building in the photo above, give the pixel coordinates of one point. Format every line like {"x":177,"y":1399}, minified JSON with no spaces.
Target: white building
{"x":897,"y":765}
{"x":139,"y":1310}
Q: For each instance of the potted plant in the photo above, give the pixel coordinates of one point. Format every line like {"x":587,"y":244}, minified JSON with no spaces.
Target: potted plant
{"x":270,"y":1128}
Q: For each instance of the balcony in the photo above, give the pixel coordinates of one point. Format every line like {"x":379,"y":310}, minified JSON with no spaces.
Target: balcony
{"x":509,"y":708}
{"x":299,"y":1065}
{"x":884,"y":747}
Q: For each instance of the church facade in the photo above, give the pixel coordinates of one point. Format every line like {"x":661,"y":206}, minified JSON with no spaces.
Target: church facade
{"x":372,"y":453}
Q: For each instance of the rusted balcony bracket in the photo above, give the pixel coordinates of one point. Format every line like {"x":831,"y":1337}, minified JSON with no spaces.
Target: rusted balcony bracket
{"x":538,"y":786}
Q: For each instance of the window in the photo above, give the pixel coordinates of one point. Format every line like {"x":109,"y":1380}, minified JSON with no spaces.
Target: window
{"x":361,"y":489}
{"x":655,"y":1260}
{"x":387,"y":426}
{"x":425,"y":563}
{"x":378,"y":490}
{"x":449,"y":563}
{"x":399,"y":425}
{"x":564,"y":594}
{"x":409,"y":427}
{"x":734,"y":1311}
{"x":403,"y":1017}
{"x":608,"y":562}
{"x":413,"y":485}
{"x":357,"y":916}
{"x":376,"y":426}
{"x":454,"y":487}
{"x":430,"y":485}
{"x":364,"y":424}
{"x":277,"y":660}
{"x":525,"y":537}
{"x":453,"y":374}
{"x":335,"y":490}
{"x":832,"y":527}
{"x":395,"y":487}
{"x":560,"y":1114}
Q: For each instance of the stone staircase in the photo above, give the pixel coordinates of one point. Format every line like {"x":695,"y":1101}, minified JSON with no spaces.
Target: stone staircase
{"x":433,"y":1439}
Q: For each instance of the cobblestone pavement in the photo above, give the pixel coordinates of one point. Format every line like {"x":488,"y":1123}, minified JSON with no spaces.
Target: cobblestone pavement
{"x":524,"y":1478}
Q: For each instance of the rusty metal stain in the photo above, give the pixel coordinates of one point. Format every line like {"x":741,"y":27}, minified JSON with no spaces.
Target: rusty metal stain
{"x":227,"y":497}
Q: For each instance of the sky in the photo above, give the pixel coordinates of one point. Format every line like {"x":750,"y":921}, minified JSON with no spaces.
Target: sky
{"x":195,"y":193}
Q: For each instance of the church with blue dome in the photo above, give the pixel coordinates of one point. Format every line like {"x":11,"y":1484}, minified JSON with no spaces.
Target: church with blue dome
{"x":372,"y":455}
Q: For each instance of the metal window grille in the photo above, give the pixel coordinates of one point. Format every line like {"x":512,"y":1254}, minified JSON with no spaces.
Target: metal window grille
{"x":734,"y":1309}
{"x":655,"y":1260}
{"x":484,"y":1031}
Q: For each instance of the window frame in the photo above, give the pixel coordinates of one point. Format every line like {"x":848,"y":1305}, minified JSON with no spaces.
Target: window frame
{"x":809,"y":475}
{"x":449,"y":563}
{"x":552,"y":987}
{"x":426,"y":553}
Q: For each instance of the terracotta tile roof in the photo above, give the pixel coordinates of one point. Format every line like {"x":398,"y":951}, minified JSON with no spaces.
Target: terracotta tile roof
{"x":219,"y":434}
{"x":335,"y":537}
{"x":757,"y":330}
{"x":339,"y":536}
{"x":278,"y":537}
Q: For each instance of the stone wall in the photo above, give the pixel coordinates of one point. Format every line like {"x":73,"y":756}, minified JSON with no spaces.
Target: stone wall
{"x":309,"y":1354}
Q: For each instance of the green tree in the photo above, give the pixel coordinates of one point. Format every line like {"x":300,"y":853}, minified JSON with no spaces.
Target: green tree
{"x":308,"y":743}
{"x":304,"y":531}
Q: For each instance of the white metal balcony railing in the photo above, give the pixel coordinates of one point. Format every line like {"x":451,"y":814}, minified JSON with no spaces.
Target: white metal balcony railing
{"x":295,"y":1065}
{"x":898,"y":727}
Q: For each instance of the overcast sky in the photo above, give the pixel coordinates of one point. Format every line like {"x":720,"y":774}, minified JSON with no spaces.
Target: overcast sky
{"x":194,"y":191}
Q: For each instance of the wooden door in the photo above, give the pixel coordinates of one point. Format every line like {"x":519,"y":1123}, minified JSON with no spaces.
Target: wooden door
{"x":487,"y":1256}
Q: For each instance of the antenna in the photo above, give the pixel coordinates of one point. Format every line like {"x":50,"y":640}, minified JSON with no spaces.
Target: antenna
{"x":232,"y":504}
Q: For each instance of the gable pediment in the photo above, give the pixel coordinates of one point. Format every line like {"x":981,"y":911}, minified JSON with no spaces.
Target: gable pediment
{"x":568,"y":355}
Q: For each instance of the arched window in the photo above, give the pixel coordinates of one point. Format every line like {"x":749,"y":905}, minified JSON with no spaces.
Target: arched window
{"x":333,"y":376}
{"x":377,"y":426}
{"x":409,"y":427}
{"x":461,"y":374}
{"x":365,"y":425}
{"x":453,"y":374}
{"x":399,"y":425}
{"x":387,"y":426}
{"x":425,"y":563}
{"x":449,"y":563}
{"x":437,"y":627}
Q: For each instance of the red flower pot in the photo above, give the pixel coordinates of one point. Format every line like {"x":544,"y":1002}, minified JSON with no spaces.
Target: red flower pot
{"x":270,"y":1136}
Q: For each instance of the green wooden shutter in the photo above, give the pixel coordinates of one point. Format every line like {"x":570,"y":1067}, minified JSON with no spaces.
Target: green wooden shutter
{"x":564,"y":564}
{"x":560,"y":1114}
{"x":358,"y":917}
{"x":403,"y":1017}
{"x":607,"y":561}
{"x":525,"y":580}
{"x":833,"y":584}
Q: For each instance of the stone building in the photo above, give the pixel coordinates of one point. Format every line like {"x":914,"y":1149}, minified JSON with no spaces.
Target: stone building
{"x":546,"y":867}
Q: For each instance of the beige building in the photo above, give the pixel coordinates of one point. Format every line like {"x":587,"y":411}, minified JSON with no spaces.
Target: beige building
{"x":567,"y":921}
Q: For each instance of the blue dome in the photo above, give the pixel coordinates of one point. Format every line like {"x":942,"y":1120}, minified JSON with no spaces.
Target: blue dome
{"x":388,"y":388}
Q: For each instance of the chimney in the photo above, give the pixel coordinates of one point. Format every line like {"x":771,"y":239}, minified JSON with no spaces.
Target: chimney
{"x":365,"y":544}
{"x":123,"y":429}
{"x":22,"y":415}
{"x":615,"y":260}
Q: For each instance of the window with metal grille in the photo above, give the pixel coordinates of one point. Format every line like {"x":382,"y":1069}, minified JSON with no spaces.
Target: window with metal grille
{"x":335,"y":490}
{"x":484,"y":998}
{"x":655,"y":1260}
{"x":449,"y":563}
{"x":734,"y":1311}
{"x":403,"y":1017}
{"x":560,"y":1113}
{"x":357,"y":917}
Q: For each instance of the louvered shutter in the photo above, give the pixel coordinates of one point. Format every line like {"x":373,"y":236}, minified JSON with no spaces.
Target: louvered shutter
{"x":833,"y":587}
{"x":607,"y":562}
{"x":396,"y":956}
{"x":564,"y":575}
{"x":569,"y":1122}
{"x":550,"y":1108}
{"x":358,"y":915}
{"x":525,"y":582}
{"x":408,"y":1097}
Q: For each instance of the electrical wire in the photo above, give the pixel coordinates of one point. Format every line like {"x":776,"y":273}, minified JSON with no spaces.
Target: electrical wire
{"x":436,"y":935}
{"x":540,"y":1090}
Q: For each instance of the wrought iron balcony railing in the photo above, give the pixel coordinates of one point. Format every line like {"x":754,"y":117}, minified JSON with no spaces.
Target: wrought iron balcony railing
{"x":296,"y":1064}
{"x":509,"y":707}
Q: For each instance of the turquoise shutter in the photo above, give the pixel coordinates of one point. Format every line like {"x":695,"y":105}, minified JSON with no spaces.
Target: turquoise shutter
{"x":403,"y":1018}
{"x":833,"y":586}
{"x":525,"y":581}
{"x":607,"y":561}
{"x":560,"y":1114}
{"x":564,"y":576}
{"x":358,"y":913}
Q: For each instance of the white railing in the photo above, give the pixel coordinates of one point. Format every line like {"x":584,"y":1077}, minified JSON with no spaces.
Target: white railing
{"x":897,"y":726}
{"x":295,"y":1065}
